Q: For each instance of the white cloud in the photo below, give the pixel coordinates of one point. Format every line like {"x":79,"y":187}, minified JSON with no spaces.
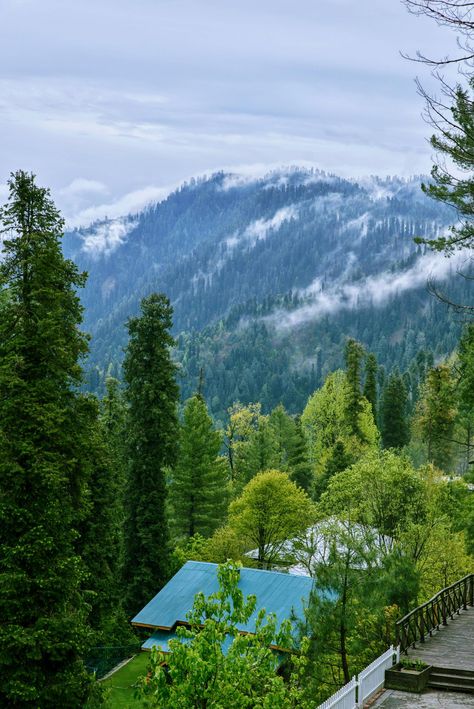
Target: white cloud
{"x":374,"y":290}
{"x":130,"y":203}
{"x":81,"y":185}
{"x":107,"y":237}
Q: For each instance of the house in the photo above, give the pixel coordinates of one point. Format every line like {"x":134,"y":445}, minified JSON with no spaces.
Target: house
{"x":279,"y":593}
{"x":302,"y":555}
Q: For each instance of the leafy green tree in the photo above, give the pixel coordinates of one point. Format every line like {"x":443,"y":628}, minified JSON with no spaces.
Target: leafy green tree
{"x":270,"y":510}
{"x":211,"y":665}
{"x":382,"y":491}
{"x":152,"y":433}
{"x":44,"y":459}
{"x":436,"y":414}
{"x":199,"y":485}
{"x":346,"y":599}
{"x":251,"y":443}
{"x":370,"y":384}
{"x":394,"y":419}
{"x":325,"y":420}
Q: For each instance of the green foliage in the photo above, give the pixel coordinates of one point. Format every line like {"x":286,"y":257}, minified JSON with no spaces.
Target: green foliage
{"x":298,"y":459}
{"x":152,"y":432}
{"x":455,"y":142}
{"x":270,"y":510}
{"x":44,"y":460}
{"x":199,"y":484}
{"x":326,"y":423}
{"x":214,"y":667}
{"x":370,"y":384}
{"x":353,"y":354}
{"x":382,"y":490}
{"x":436,"y":414}
{"x":346,"y":615}
{"x":394,"y":414}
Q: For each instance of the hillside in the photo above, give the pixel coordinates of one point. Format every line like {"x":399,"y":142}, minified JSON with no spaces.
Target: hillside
{"x":267,"y":277}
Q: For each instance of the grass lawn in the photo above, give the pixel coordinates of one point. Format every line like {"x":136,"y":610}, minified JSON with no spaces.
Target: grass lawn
{"x":121,"y":683}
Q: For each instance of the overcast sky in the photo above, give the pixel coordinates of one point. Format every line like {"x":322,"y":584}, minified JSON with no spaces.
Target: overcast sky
{"x":112,"y":102}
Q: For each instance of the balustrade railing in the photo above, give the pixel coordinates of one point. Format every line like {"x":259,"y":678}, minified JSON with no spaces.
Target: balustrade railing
{"x":421,"y":622}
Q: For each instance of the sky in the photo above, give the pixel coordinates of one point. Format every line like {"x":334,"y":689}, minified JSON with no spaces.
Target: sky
{"x":113,"y":103}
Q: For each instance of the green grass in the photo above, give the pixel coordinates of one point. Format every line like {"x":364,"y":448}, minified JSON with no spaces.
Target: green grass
{"x":121,"y":684}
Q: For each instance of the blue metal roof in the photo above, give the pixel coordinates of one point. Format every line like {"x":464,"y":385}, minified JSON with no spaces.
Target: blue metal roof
{"x":282,"y":594}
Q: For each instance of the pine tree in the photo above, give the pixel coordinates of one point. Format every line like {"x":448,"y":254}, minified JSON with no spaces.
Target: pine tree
{"x":152,"y":436}
{"x":43,"y":480}
{"x":198,"y":490}
{"x":394,"y":423}
{"x":466,"y":391}
{"x":353,"y":356}
{"x":299,"y":466}
{"x":338,"y":460}
{"x":436,"y":415}
{"x":102,"y":542}
{"x":370,"y":385}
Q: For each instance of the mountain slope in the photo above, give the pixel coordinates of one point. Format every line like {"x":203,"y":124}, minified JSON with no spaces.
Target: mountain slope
{"x":285,"y":265}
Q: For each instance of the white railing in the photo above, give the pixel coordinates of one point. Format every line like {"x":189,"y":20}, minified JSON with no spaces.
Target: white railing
{"x":372,"y":678}
{"x":369,"y":681}
{"x":344,"y":698}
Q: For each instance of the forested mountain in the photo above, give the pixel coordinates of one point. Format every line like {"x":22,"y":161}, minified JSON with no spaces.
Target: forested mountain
{"x":267,"y":278}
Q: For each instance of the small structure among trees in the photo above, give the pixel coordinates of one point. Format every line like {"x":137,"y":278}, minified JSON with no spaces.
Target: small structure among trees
{"x":283,"y":595}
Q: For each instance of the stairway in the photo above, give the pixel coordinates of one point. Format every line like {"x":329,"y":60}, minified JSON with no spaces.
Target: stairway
{"x":451,"y":679}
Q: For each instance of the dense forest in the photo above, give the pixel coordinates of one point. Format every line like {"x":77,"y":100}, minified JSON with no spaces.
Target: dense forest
{"x":268,"y":277}
{"x":290,"y":396}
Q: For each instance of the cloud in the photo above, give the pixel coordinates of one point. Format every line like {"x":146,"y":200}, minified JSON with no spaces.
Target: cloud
{"x":372,"y":291}
{"x":130,"y":203}
{"x":107,"y":237}
{"x":260,"y":228}
{"x":80,"y":186}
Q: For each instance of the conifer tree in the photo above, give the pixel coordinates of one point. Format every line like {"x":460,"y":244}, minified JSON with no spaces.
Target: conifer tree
{"x":198,"y":490}
{"x":394,"y":423}
{"x":152,"y":437}
{"x":299,"y":465}
{"x":436,"y":415}
{"x":466,"y":391}
{"x":353,"y":356}
{"x":43,"y":477}
{"x":370,"y":385}
{"x":102,"y":542}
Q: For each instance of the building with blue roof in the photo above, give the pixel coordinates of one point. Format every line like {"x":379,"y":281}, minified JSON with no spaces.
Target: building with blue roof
{"x":282,"y":594}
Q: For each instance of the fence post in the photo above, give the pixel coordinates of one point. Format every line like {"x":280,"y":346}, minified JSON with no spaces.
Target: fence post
{"x":358,"y":694}
{"x":472,"y":589}
{"x":443,"y":608}
{"x":398,"y":654}
{"x":422,"y":626}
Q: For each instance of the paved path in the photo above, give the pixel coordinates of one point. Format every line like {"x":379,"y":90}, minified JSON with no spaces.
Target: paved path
{"x":451,"y":646}
{"x":430,"y":699}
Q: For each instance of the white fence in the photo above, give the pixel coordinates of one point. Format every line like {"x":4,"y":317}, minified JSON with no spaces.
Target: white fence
{"x":369,"y":681}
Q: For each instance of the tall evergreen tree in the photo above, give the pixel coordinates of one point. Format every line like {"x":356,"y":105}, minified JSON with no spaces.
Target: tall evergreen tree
{"x":466,"y":391}
{"x":102,"y":542}
{"x":43,"y":478}
{"x":299,"y":466}
{"x":394,"y":422}
{"x":370,"y":384}
{"x":353,"y":355}
{"x":152,"y":433}
{"x":436,"y":415}
{"x":199,"y":485}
